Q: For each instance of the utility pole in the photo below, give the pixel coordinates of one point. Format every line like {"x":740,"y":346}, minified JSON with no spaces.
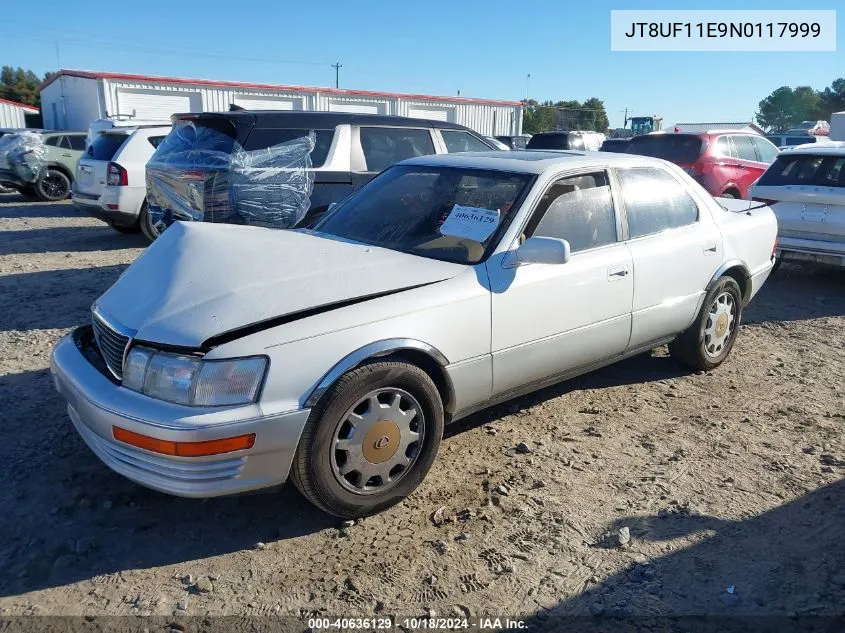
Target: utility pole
{"x":337,"y":66}
{"x":527,"y":80}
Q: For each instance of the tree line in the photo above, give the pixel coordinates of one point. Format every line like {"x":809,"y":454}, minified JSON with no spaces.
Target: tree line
{"x":564,"y":115}
{"x":786,"y":106}
{"x":23,"y":86}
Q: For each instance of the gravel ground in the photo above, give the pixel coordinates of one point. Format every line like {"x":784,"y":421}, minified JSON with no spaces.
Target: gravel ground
{"x":644,"y":489}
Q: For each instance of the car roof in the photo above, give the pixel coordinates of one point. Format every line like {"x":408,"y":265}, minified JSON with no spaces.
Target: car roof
{"x":533,"y":161}
{"x":314,"y":120}
{"x":831,"y":148}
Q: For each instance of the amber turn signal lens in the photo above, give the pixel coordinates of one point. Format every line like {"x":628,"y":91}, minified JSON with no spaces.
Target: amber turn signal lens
{"x":184,"y":449}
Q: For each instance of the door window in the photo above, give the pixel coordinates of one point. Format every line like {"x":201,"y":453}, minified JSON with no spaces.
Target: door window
{"x":386,"y":146}
{"x":744,"y":148}
{"x":76,"y":142}
{"x":765,"y":150}
{"x":723,"y":148}
{"x":54,"y":141}
{"x":460,"y":141}
{"x":655,"y":201}
{"x":578,"y":209}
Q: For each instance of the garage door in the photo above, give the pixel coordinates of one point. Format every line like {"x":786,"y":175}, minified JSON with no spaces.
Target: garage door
{"x":432,"y":114}
{"x":156,"y":105}
{"x":356,"y":108}
{"x":269,"y":103}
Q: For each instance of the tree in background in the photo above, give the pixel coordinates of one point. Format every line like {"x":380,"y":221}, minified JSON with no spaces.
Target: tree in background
{"x":564,"y":115}
{"x":23,"y":86}
{"x":786,"y":107}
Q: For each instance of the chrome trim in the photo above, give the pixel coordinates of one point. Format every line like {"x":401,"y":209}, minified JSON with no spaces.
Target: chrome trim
{"x":371,"y":350}
{"x":118,"y":329}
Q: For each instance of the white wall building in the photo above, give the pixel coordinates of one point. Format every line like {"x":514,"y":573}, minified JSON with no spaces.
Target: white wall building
{"x":71,"y":99}
{"x":13,"y":114}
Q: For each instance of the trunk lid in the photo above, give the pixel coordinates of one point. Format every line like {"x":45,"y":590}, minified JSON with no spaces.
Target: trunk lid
{"x":198,"y":280}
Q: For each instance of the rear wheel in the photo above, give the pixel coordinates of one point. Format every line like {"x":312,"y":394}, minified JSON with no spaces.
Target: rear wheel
{"x":709,"y":340}
{"x":150,"y":227}
{"x":370,"y":440}
{"x":52,"y":186}
{"x":730,"y":193}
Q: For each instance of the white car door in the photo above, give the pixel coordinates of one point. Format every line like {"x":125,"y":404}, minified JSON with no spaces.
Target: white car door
{"x":676,"y":248}
{"x":550,"y":318}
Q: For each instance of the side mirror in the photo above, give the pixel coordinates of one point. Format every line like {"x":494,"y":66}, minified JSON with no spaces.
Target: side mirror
{"x":543,"y":250}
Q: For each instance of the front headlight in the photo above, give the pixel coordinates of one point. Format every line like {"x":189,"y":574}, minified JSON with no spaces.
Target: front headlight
{"x":193,"y":381}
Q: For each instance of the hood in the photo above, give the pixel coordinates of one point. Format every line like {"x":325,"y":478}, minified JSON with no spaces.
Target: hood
{"x":198,"y":281}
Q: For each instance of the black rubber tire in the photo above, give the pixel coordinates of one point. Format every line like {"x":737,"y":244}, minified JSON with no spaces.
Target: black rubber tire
{"x":46,"y":194}
{"x":688,"y":348}
{"x":776,"y":265}
{"x":311,"y":471}
{"x":126,"y":230}
{"x":729,"y":194}
{"x":146,"y":225}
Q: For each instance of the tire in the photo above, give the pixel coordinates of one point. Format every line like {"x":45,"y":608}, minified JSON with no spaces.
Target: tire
{"x":320,"y":460}
{"x":729,"y":194}
{"x":53,"y":186}
{"x":776,"y":265}
{"x":703,"y":346}
{"x":126,"y":230}
{"x":145,"y":223}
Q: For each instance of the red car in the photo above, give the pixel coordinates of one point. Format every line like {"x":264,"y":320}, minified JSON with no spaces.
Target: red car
{"x":726,"y":163}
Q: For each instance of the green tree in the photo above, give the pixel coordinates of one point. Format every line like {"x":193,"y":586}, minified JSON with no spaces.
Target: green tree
{"x":786,"y":107}
{"x":23,"y":86}
{"x":564,"y":115}
{"x":833,"y":98}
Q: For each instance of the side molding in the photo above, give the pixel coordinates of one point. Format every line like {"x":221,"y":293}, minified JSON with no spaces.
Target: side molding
{"x":371,"y":350}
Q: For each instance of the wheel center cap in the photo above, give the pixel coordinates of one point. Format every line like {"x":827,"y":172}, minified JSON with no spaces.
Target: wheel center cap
{"x":381,"y":441}
{"x":721,"y":325}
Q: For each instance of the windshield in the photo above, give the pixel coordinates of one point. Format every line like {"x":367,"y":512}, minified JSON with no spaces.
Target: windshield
{"x":445,"y":213}
{"x":676,"y":148}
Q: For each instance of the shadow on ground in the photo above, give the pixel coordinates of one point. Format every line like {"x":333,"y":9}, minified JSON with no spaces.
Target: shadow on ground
{"x":17,"y":206}
{"x":75,"y":519}
{"x":68,"y":239}
{"x":783,"y":570}
{"x":797,"y":293}
{"x":54,"y":298}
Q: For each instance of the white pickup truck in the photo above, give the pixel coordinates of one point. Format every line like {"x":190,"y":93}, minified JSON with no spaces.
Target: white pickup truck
{"x":230,"y":358}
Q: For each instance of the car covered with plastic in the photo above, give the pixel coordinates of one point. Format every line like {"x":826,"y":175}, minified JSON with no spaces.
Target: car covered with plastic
{"x":282,"y":169}
{"x":39,"y":163}
{"x":233,"y":358}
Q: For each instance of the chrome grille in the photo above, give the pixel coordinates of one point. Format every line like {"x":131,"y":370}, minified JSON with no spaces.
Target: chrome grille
{"x":112,"y":341}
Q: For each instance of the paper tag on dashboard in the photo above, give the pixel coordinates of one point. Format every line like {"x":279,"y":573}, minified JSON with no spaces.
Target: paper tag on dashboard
{"x":472,"y":223}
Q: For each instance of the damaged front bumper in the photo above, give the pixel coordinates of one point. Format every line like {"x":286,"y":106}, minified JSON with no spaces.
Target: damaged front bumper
{"x":96,"y":405}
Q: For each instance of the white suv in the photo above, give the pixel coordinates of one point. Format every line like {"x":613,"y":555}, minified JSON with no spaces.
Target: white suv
{"x":110,"y":181}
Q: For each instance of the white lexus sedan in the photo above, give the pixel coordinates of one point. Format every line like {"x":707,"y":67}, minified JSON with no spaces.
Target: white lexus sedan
{"x":229,"y":358}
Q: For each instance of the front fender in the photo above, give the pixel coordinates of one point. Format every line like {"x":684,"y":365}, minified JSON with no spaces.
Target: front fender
{"x":372,"y":350}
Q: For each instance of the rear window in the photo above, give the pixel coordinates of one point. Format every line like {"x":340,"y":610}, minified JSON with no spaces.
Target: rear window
{"x":262,"y":139}
{"x":548,"y":141}
{"x":799,"y":140}
{"x":805,"y":169}
{"x":105,"y":146}
{"x":676,"y":148}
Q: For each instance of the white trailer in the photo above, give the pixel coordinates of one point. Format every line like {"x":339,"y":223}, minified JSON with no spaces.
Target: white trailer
{"x":71,"y":99}
{"x":13,"y":114}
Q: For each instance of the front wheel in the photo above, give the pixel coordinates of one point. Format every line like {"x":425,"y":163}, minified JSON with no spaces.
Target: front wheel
{"x":53,"y":186}
{"x":708,"y":341}
{"x":370,"y":440}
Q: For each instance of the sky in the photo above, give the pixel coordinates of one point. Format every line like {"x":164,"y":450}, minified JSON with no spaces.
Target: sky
{"x":483,"y":49}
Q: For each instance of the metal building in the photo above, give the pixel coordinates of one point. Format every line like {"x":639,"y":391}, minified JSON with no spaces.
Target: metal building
{"x":71,"y":99}
{"x":13,"y":114}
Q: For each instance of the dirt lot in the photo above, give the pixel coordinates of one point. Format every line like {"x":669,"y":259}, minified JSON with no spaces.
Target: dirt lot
{"x":730,"y":479}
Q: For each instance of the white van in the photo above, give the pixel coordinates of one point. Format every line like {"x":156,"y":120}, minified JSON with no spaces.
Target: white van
{"x":110,"y":182}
